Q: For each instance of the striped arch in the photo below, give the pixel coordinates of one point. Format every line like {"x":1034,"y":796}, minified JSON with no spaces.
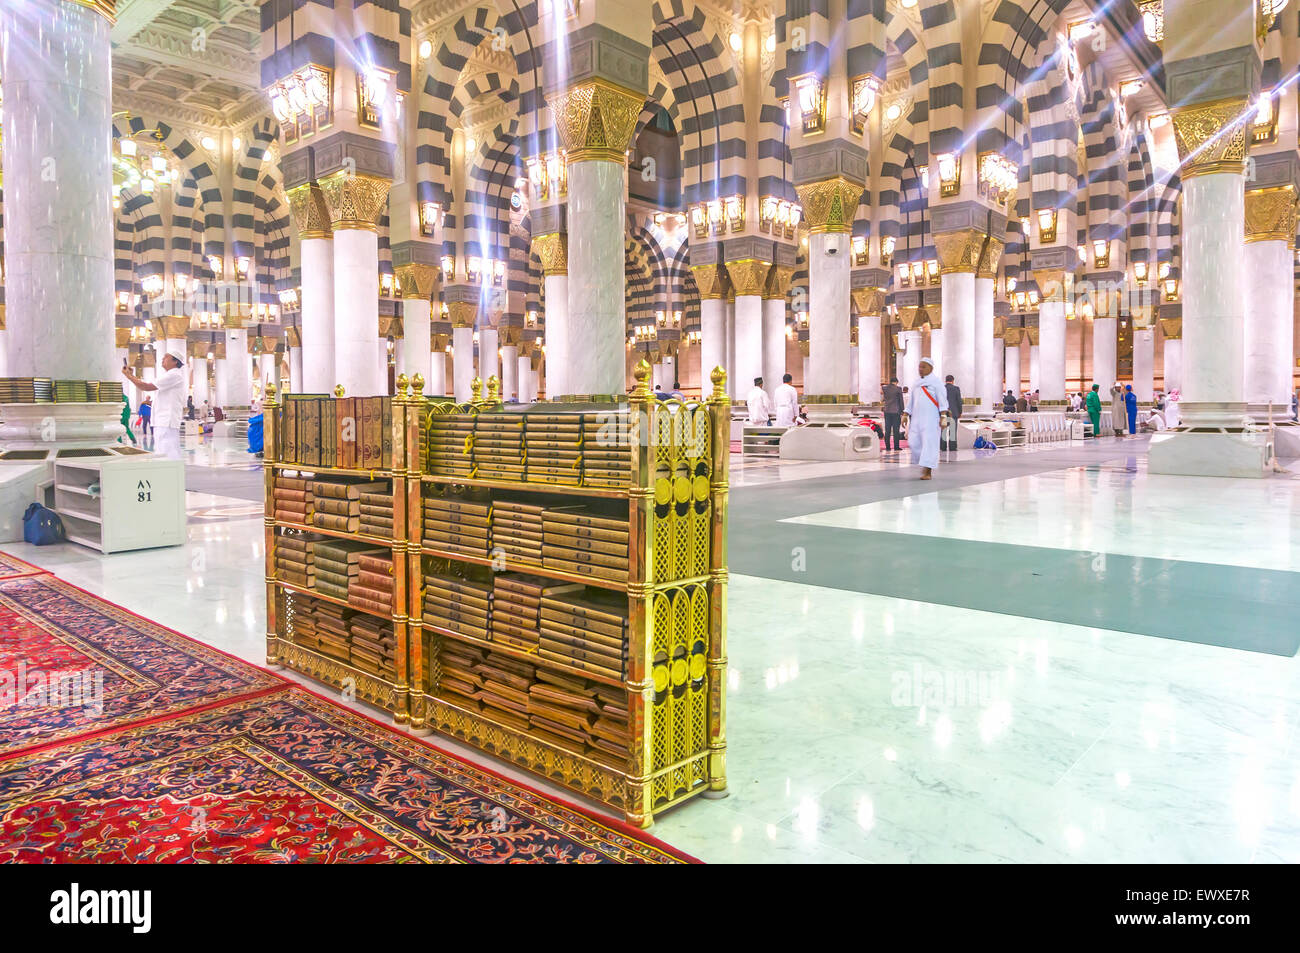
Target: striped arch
{"x":247,"y":171}
{"x":186,"y":244}
{"x":1167,"y":226}
{"x":907,"y":136}
{"x":904,"y":147}
{"x":1054,"y":131}
{"x":1104,"y":185}
{"x":697,"y":63}
{"x":639,"y":282}
{"x":489,"y":184}
{"x":1141,"y":190}
{"x":658,"y":265}
{"x":272,"y":232}
{"x":148,"y":242}
{"x":943,"y":55}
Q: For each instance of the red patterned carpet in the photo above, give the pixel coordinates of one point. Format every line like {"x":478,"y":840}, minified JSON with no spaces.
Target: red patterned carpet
{"x":198,"y":757}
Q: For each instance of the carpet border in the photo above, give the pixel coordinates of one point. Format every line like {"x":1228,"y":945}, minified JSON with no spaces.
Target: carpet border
{"x":611,"y":822}
{"x":36,"y":570}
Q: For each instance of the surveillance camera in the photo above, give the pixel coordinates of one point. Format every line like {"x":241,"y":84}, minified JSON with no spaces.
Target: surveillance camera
{"x":832,"y":245}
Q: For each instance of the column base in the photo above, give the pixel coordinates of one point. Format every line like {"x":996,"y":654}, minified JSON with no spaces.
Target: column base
{"x":1205,"y":451}
{"x":1286,"y":440}
{"x":1264,"y":413}
{"x":830,"y":443}
{"x":53,"y":427}
{"x":1213,"y":416}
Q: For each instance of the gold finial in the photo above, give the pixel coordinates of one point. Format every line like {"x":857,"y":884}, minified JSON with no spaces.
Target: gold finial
{"x":338,"y":390}
{"x":270,"y":391}
{"x":641,"y":374}
{"x":719,"y":378}
{"x":418,"y":383}
{"x":476,"y":388}
{"x":494,"y":389}
{"x":401,"y":385}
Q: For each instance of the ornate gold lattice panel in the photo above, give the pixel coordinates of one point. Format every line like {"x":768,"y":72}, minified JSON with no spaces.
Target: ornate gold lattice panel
{"x":680,"y":444}
{"x":679,"y":716}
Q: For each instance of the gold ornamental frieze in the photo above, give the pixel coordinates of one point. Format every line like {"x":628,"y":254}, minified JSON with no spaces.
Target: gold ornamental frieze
{"x":1172,"y":328}
{"x":1271,"y":215}
{"x":748,"y":276}
{"x":553,"y":251}
{"x":462,"y":313}
{"x":869,"y":301}
{"x":1211,"y":137}
{"x":710,"y":281}
{"x":419,"y":281}
{"x":596,"y":120}
{"x":778,"y":281}
{"x":311,"y":216}
{"x":958,"y":252}
{"x":911,"y":318}
{"x":354,"y":199}
{"x":830,"y":205}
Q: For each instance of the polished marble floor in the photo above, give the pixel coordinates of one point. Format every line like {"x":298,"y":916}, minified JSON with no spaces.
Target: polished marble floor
{"x":936,"y":672}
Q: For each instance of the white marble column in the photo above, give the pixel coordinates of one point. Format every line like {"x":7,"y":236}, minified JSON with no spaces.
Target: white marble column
{"x":829,"y":278}
{"x":1213,"y":284}
{"x":489,"y":365}
{"x":359,"y":356}
{"x":668,"y":367}
{"x":462,"y":363}
{"x":4,"y":354}
{"x":988,"y":368}
{"x":853,"y":371}
{"x":524,"y":375}
{"x":1011,"y":369}
{"x":436,"y":385}
{"x":1144,"y":364}
{"x":596,"y":299}
{"x":1105,"y":354}
{"x":238,"y":385}
{"x":937,"y":352}
{"x":58,"y":179}
{"x":749,"y":341}
{"x":267,"y":373}
{"x":999,"y":349}
{"x":198,"y":368}
{"x":1035,"y":366}
{"x":807,"y":372}
{"x":958,"y":290}
{"x":1173,"y":364}
{"x":557,"y":336}
{"x":510,"y":387}
{"x":317,"y":317}
{"x":1051,"y":354}
{"x":729,"y":323}
{"x":869,"y":359}
{"x":295,"y":371}
{"x":1269,"y":328}
{"x":416,"y":337}
{"x":773,"y":343}
{"x":713,"y":339}
{"x":910,"y":343}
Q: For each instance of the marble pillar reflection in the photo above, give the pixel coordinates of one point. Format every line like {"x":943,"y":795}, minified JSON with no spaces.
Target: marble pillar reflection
{"x":462,"y":363}
{"x":1105,"y":351}
{"x":58,"y":179}
{"x":773,"y":343}
{"x":829,"y":279}
{"x":1051,"y":351}
{"x":557,"y":336}
{"x":360,"y":356}
{"x":596,"y":280}
{"x":1269,"y":328}
{"x":317,"y":316}
{"x":869,"y":359}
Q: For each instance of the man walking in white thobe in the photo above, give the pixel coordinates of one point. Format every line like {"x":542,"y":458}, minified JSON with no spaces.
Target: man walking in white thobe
{"x":927,"y":404}
{"x":787,"y":403}
{"x":760,"y":405}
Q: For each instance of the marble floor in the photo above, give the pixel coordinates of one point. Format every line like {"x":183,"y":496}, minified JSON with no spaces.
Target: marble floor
{"x":872,"y":718}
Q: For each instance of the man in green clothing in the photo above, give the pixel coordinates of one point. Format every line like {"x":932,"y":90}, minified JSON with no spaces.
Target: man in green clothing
{"x":1093,"y":403}
{"x":126,"y":418}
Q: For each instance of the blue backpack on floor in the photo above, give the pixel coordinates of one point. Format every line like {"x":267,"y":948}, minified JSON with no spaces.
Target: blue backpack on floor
{"x":42,"y":526}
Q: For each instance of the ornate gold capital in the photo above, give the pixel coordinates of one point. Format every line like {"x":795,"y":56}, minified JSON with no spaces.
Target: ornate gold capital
{"x":311,"y":215}
{"x":710,"y":280}
{"x":1172,"y":328}
{"x":462,"y":313}
{"x":173,"y":327}
{"x":1271,"y":215}
{"x":354,"y":199}
{"x":958,"y":252}
{"x":1053,"y":283}
{"x":1012,"y":337}
{"x":778,"y":281}
{"x":121,"y":336}
{"x":829,"y":205}
{"x":911,"y":318}
{"x":988,"y":265}
{"x":390,"y":326}
{"x":1211,"y":137}
{"x":105,"y":8}
{"x":596,"y":120}
{"x":438,"y":343}
{"x":293,"y":336}
{"x":1032,"y":334}
{"x":748,"y":276}
{"x":419,"y":281}
{"x":869,"y":301}
{"x":553,"y":250}
{"x":805,"y":346}
{"x":933,"y":314}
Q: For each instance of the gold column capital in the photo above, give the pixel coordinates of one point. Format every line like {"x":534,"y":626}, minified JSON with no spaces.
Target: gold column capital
{"x":830,"y":205}
{"x":778,"y":281}
{"x":868,"y":301}
{"x":934,"y":316}
{"x":1271,"y":215}
{"x":910,"y":318}
{"x":292,"y":336}
{"x":1211,"y":137}
{"x":354,"y":199}
{"x":710,"y":281}
{"x":174,"y":326}
{"x":1052,"y":283}
{"x":1172,"y":328}
{"x":311,"y":216}
{"x":988,"y":265}
{"x":419,"y":281}
{"x":105,"y":8}
{"x":748,"y":275}
{"x":462,"y":313}
{"x":121,"y":336}
{"x":553,"y":251}
{"x":958,"y":252}
{"x":1012,"y":337}
{"x":1032,"y":334}
{"x":596,"y":120}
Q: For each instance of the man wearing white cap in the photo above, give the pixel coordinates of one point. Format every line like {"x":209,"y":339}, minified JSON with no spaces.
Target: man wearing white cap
{"x":169,"y":405}
{"x":927,"y":404}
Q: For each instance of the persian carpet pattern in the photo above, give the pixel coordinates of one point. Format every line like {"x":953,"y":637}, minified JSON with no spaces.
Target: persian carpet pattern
{"x":285,"y":777}
{"x":130,"y":668}
{"x":13,"y":566}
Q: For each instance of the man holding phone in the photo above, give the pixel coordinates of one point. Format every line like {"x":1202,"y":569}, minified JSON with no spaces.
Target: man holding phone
{"x":169,"y":410}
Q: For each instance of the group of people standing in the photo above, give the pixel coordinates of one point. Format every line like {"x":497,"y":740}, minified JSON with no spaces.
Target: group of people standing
{"x":1123,"y":405}
{"x":765,"y":411}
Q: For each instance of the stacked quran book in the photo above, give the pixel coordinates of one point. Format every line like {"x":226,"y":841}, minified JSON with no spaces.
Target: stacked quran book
{"x":606,"y":449}
{"x":354,"y":433}
{"x":579,"y":541}
{"x":376,"y":508}
{"x":292,"y":499}
{"x":517,"y":529}
{"x":373,"y":645}
{"x":459,"y":605}
{"x":372,"y":586}
{"x":323,"y":627}
{"x":338,"y":564}
{"x":459,"y":524}
{"x":449,"y":445}
{"x":337,"y":506}
{"x":69,"y":392}
{"x":499,"y":446}
{"x":295,"y":559}
{"x":585,"y":628}
{"x":554,"y":443}
{"x":516,"y":601}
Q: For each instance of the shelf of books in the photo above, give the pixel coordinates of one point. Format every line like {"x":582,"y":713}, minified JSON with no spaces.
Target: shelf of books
{"x":545,"y":582}
{"x":568,"y":575}
{"x":336,"y":492}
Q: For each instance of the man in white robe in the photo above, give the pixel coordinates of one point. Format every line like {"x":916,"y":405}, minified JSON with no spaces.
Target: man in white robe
{"x":927,"y":403}
{"x":787,"y":403}
{"x":760,"y":405}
